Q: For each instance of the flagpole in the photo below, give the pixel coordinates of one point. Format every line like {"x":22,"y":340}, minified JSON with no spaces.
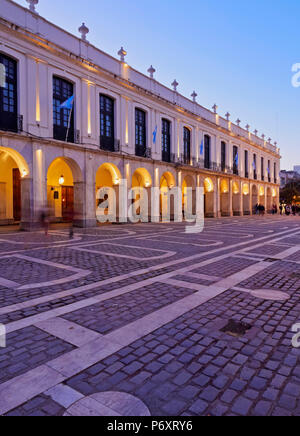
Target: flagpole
{"x":69,"y":123}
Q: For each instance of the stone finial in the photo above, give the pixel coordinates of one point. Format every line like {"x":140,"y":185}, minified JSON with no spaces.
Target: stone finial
{"x":175,"y":84}
{"x":238,"y":121}
{"x":215,"y":108}
{"x":83,"y":30}
{"x":122,"y":53}
{"x":227,"y":116}
{"x":151,"y":71}
{"x":194,"y":96}
{"x":275,"y":143}
{"x":263,"y":136}
{"x":32,"y":5}
{"x":247,"y":127}
{"x":255,"y":132}
{"x":270,"y":140}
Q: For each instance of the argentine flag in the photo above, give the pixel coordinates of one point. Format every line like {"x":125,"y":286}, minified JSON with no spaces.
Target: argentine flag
{"x":236,"y":160}
{"x":155,"y":135}
{"x":68,"y":104}
{"x":202,"y":148}
{"x":254,"y":165}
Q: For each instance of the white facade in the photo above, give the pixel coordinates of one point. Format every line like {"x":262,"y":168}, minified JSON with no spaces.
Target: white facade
{"x":44,"y":51}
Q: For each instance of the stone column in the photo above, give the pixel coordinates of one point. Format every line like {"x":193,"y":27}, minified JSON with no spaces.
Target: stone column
{"x":29,"y":221}
{"x":230,"y":198}
{"x":79,"y":203}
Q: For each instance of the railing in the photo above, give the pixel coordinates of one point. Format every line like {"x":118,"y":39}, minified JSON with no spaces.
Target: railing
{"x":113,"y":146}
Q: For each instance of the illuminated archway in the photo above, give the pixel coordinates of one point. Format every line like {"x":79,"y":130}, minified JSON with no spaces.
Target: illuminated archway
{"x":13,"y":201}
{"x":225,"y":197}
{"x":189,"y":182}
{"x":246,"y":199}
{"x":236,"y":199}
{"x":262,"y":198}
{"x":209,"y":198}
{"x":141,"y":184}
{"x":65,"y":192}
{"x":108,"y":176}
{"x":254,"y":198}
{"x":167,"y":182}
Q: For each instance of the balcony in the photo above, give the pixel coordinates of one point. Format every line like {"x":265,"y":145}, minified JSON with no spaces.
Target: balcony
{"x":12,"y":123}
{"x":262,"y":178}
{"x":142,"y":151}
{"x":166,"y":156}
{"x":110,"y":145}
{"x":246,"y":175}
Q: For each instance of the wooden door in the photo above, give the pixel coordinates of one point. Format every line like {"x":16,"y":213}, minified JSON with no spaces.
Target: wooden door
{"x":17,"y":194}
{"x":67,"y":199}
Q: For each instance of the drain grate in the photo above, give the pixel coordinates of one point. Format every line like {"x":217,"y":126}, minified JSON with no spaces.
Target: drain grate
{"x":236,"y":328}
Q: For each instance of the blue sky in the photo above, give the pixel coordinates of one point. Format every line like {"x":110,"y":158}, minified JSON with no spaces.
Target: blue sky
{"x":234,"y":53}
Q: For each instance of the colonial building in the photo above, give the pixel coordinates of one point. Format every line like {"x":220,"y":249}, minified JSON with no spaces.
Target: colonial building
{"x":117,"y":124}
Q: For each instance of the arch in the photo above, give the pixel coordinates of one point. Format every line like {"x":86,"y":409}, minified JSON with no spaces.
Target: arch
{"x":208,"y":185}
{"x":65,"y":190}
{"x":167,"y":182}
{"x":141,"y":178}
{"x":254,"y":198}
{"x":246,"y":199}
{"x":19,"y":160}
{"x":14,"y":196}
{"x":225,"y":197}
{"x":108,"y":175}
{"x":209,"y":198}
{"x":141,"y":184}
{"x":236,"y":199}
{"x":188,"y":182}
{"x":235,"y":188}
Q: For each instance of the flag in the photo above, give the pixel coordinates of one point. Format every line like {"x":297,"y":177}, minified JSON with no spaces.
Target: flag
{"x":68,"y":104}
{"x":236,"y":159}
{"x":254,"y":165}
{"x":268,"y":169}
{"x":155,"y":135}
{"x":201,"y":148}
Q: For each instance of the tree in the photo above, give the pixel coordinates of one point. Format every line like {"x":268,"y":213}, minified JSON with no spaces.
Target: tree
{"x":290,"y":193}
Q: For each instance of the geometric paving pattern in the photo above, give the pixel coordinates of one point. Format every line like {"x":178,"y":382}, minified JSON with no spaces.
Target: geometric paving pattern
{"x":131,"y":319}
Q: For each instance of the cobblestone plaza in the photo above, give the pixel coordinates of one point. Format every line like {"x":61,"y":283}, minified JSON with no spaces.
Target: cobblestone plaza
{"x":147,"y":310}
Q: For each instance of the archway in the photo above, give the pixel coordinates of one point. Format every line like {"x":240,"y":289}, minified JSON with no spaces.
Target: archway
{"x":141,"y":183}
{"x":189,"y":182}
{"x":236,"y":199}
{"x":108,"y":176}
{"x":262,"y":199}
{"x":254,"y":198}
{"x":167,"y":182}
{"x":246,"y":199}
{"x":269,"y":200}
{"x":14,"y":197}
{"x":225,"y":197}
{"x":209,"y":198}
{"x":65,"y":191}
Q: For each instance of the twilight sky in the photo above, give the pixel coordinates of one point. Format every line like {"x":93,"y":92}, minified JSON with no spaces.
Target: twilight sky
{"x":234,"y":53}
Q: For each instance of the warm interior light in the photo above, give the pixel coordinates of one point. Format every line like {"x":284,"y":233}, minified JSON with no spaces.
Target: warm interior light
{"x":61,"y":180}
{"x":24,"y":173}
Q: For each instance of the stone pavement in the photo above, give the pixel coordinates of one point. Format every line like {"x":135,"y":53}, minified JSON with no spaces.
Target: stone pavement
{"x":145,"y":310}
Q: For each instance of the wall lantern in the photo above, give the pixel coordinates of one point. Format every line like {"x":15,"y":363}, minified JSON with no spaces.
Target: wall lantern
{"x":61,"y":180}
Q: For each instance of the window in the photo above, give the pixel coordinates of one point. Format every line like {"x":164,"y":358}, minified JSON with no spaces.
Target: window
{"x":262,"y":169}
{"x":63,"y":118}
{"x":254,"y":167}
{"x":166,"y":140}
{"x":140,"y":133}
{"x":269,"y":171}
{"x":223,"y":156}
{"x":246,"y":164}
{"x":107,"y":121}
{"x":8,"y":95}
{"x":207,"y":152}
{"x":275,"y":173}
{"x":235,"y":160}
{"x":187,"y":145}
